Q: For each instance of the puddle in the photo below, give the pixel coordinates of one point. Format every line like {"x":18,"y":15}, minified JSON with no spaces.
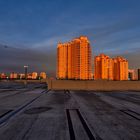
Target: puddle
{"x":37,"y":110}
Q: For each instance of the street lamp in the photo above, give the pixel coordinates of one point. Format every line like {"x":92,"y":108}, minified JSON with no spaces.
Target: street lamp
{"x":25,"y":68}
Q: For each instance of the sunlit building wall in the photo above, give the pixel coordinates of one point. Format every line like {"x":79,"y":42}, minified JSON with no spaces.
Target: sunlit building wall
{"x":21,"y":76}
{"x":120,"y":68}
{"x":13,"y":75}
{"x":34,"y":75}
{"x":43,"y":75}
{"x":29,"y":76}
{"x":103,"y":67}
{"x":110,"y":68}
{"x":74,"y":59}
{"x":3,"y":76}
{"x":85,"y":59}
{"x":62,"y":60}
{"x":131,"y":74}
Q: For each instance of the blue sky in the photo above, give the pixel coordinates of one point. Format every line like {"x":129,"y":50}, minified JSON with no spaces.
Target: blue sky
{"x":32,"y":29}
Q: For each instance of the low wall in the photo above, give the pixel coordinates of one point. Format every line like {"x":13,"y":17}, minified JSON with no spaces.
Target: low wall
{"x":28,"y":81}
{"x":93,"y":85}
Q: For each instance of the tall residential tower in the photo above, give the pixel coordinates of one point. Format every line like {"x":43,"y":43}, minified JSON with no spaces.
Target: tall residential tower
{"x":103,"y":67}
{"x":74,"y":59}
{"x":110,"y":68}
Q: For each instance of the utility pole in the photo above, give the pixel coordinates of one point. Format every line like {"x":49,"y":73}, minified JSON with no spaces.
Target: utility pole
{"x":25,"y":70}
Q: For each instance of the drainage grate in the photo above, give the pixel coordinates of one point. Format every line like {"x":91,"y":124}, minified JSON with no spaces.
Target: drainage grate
{"x":78,"y":128}
{"x":37,"y":110}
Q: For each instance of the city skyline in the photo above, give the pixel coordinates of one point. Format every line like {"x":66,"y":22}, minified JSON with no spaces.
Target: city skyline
{"x":30,"y":31}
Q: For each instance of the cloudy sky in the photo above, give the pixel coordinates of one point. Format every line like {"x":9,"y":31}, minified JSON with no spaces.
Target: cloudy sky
{"x":31,"y":29}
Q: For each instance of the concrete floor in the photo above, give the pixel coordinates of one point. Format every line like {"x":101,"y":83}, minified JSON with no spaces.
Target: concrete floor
{"x":33,"y":113}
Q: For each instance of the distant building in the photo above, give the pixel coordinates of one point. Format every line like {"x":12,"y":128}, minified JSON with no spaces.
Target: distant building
{"x":43,"y":75}
{"x":34,"y":75}
{"x":131,"y":74}
{"x":3,"y":76}
{"x":107,"y":68}
{"x":29,"y":76}
{"x":138,"y":74}
{"x":13,"y":75}
{"x":74,"y":59}
{"x":22,"y":76}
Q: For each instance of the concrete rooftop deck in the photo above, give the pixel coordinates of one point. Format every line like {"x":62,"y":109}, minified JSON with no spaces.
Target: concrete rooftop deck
{"x":33,"y":113}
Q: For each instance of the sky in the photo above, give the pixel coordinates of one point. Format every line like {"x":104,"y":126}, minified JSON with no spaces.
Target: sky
{"x":31,"y":29}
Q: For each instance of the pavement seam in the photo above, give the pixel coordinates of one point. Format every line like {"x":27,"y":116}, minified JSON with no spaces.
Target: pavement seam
{"x":13,"y":113}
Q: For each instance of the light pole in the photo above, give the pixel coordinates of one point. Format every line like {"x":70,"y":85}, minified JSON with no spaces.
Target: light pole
{"x":25,"y":69}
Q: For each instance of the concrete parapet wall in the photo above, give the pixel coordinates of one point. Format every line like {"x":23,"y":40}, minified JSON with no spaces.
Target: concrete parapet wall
{"x":93,"y":85}
{"x":28,"y":81}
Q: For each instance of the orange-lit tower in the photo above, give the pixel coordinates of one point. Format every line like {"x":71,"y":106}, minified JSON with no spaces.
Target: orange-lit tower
{"x":120,"y":68}
{"x":103,"y":68}
{"x":110,"y":68}
{"x":62,"y":60}
{"x":74,"y":59}
{"x":85,"y":59}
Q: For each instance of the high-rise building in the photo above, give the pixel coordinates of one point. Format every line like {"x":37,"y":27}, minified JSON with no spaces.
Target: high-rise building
{"x":110,"y":68}
{"x":120,"y":68}
{"x":103,"y":67}
{"x":74,"y":59}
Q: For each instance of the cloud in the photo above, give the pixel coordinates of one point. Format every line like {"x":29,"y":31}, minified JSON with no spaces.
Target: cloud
{"x":115,"y":38}
{"x":13,"y":59}
{"x":132,"y":57}
{"x":109,"y":28}
{"x":50,"y":42}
